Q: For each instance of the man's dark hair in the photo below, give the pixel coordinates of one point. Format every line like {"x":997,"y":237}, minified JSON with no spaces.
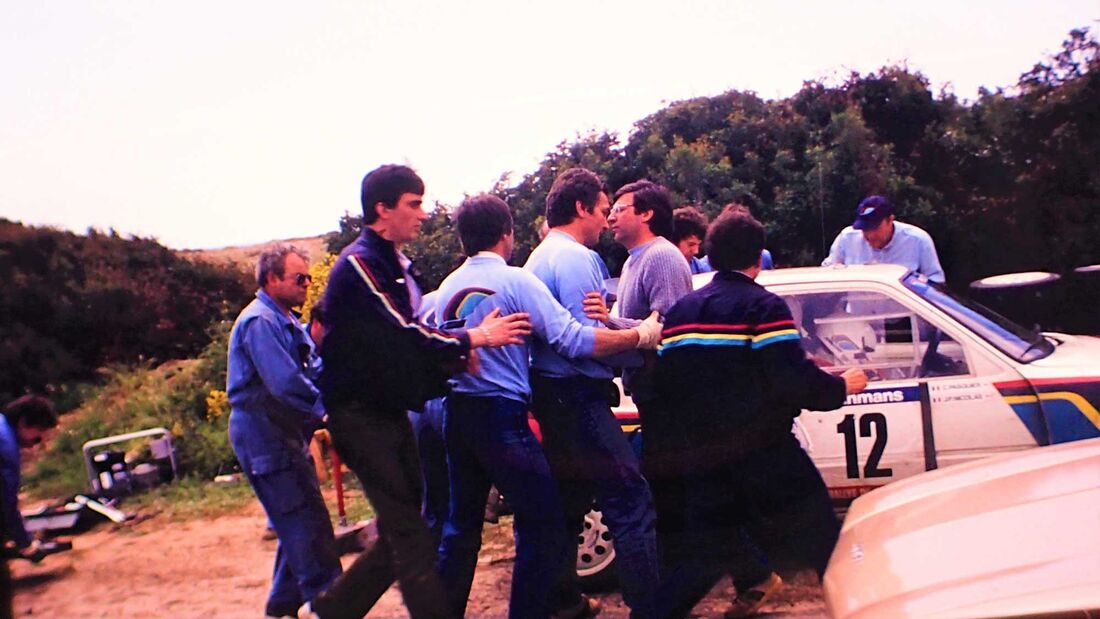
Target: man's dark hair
{"x":481,"y":221}
{"x":688,"y":221}
{"x":572,"y":185}
{"x":737,"y":207}
{"x":734,"y":241}
{"x":386,"y":185}
{"x":33,"y":411}
{"x":649,"y":196}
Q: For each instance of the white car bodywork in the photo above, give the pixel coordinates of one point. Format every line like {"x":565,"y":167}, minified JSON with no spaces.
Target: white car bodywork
{"x":982,"y":389}
{"x":1009,"y":536}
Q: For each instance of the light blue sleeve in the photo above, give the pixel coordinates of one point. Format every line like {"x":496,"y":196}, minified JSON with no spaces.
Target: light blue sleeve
{"x":282,"y":374}
{"x":930,"y":261}
{"x":836,"y":252}
{"x":575,"y":275}
{"x":552,"y":322}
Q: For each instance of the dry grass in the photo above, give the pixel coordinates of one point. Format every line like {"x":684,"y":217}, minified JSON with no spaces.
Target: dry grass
{"x":244,"y":256}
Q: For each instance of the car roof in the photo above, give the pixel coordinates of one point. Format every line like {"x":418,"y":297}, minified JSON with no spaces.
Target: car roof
{"x":885,"y":273}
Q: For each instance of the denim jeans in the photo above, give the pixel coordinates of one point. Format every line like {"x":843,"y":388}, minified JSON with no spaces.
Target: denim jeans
{"x":380,"y":448}
{"x":778,"y":489}
{"x":428,"y":429}
{"x":282,"y":475}
{"x":592,"y":459}
{"x":490,"y":442}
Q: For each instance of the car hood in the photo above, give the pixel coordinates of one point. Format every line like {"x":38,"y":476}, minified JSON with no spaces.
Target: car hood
{"x":1073,"y":356}
{"x":1006,"y":536}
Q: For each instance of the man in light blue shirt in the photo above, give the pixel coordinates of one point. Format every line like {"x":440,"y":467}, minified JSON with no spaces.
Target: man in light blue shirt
{"x":875,"y":237}
{"x":275,"y":409}
{"x":588,"y":452}
{"x":488,"y":438}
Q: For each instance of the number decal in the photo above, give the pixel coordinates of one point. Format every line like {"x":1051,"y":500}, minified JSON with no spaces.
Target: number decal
{"x":871,"y":424}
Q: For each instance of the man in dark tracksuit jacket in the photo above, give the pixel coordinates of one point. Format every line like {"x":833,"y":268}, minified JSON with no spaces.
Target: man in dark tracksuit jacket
{"x":734,"y":377}
{"x":378,"y":362}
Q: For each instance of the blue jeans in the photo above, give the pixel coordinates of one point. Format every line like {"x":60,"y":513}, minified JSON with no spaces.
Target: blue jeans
{"x":490,"y":442}
{"x":428,"y":428}
{"x":281,"y":472}
{"x":592,"y":459}
{"x":772,"y":497}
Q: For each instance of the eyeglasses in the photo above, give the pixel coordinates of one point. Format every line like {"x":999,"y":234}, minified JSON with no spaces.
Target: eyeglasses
{"x":303,"y":278}
{"x":620,"y":208}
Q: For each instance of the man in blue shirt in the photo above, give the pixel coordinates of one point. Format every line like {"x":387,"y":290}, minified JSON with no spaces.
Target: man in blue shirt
{"x":875,"y":237}
{"x":588,"y":452}
{"x":689,"y":230}
{"x":275,"y":409}
{"x":487,"y":435}
{"x":23,"y":424}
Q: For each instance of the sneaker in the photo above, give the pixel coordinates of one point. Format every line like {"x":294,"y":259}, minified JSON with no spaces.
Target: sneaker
{"x":306,"y":612}
{"x":749,"y":602}
{"x":584,"y":609}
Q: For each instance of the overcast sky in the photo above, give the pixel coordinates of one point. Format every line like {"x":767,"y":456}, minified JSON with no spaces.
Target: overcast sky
{"x":207,"y":124}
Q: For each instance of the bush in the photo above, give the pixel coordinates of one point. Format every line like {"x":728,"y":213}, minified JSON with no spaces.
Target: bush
{"x":173,"y":395}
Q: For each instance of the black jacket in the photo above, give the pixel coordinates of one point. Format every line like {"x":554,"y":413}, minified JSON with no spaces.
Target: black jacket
{"x":375,"y":353}
{"x":732,"y":372}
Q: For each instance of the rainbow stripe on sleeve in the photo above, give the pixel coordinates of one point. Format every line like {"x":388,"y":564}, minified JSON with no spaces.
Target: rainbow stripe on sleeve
{"x":746,"y":335}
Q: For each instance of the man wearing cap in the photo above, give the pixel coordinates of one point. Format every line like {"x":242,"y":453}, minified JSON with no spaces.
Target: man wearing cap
{"x":875,"y":237}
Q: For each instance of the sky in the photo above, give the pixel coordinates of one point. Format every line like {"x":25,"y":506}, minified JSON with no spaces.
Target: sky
{"x":208,"y":124}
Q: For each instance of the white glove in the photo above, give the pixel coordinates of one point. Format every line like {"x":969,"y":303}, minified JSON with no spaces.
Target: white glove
{"x":649,"y":332}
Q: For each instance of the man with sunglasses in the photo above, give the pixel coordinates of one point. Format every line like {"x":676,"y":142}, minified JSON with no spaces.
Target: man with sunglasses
{"x":276,"y":408}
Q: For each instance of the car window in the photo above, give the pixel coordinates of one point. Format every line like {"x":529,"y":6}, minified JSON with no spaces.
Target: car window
{"x":1020,"y":343}
{"x":872,"y":331}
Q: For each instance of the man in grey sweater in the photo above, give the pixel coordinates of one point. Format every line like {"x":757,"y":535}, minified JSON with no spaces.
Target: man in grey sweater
{"x":654,"y":277}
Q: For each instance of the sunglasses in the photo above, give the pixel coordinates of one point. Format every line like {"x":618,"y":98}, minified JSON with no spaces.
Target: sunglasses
{"x":303,"y":278}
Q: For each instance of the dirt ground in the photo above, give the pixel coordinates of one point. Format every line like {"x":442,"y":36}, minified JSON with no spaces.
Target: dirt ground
{"x":221,"y":568}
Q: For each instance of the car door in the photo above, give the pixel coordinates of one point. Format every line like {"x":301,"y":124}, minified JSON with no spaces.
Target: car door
{"x":926,"y":400}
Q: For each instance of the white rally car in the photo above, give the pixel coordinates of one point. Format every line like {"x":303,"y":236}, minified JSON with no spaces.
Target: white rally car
{"x":950,"y":381}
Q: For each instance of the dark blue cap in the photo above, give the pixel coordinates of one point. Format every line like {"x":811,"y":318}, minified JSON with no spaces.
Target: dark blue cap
{"x":871,"y":211}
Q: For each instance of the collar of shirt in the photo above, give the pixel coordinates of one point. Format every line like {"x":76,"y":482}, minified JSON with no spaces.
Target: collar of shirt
{"x":639,"y":249}
{"x":561,"y":233}
{"x":490,"y":255}
{"x":730,"y":276}
{"x":273,"y":306}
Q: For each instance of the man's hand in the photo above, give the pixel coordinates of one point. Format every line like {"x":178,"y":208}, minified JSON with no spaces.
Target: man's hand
{"x":855,"y":380}
{"x":496,"y":330}
{"x":649,"y":332}
{"x":595,"y":307}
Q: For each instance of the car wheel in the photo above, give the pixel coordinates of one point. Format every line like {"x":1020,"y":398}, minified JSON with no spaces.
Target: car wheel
{"x":595,"y":552}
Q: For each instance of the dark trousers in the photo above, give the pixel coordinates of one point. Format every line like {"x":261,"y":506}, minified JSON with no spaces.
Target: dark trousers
{"x":428,"y":429}
{"x":490,"y":442}
{"x":776,"y":495}
{"x":592,"y":459}
{"x":664,"y":454}
{"x":380,"y":448}
{"x":283,"y":476}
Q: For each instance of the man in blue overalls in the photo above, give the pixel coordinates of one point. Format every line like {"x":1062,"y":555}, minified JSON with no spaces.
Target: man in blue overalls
{"x":276,"y":408}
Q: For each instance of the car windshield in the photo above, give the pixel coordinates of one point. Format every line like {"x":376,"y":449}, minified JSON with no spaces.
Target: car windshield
{"x":1022,"y":344}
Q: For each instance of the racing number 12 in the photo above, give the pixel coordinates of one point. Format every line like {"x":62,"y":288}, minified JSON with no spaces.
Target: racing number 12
{"x":848,"y":429}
